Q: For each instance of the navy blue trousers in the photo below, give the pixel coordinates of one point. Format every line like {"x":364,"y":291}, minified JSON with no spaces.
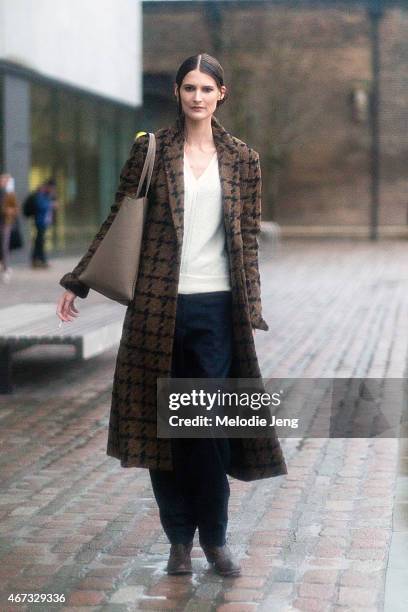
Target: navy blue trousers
{"x":38,"y":251}
{"x":196,"y":493}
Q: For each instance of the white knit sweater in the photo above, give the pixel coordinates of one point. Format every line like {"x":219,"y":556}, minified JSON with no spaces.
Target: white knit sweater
{"x":204,"y":256}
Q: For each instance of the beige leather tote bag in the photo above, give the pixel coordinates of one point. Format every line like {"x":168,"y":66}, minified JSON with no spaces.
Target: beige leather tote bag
{"x":113,"y":268}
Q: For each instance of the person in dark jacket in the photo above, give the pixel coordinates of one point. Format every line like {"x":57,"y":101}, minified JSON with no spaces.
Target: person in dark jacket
{"x":45,"y":204}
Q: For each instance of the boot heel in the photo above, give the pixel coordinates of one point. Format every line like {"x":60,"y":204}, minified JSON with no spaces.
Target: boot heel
{"x":220,"y":557}
{"x":179,"y":560}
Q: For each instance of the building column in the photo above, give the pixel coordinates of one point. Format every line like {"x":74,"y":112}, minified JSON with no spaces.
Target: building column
{"x":16,"y":152}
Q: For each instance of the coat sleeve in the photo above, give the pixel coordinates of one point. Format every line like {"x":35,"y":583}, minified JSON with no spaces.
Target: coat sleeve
{"x":250,"y":229}
{"x":128,"y":183}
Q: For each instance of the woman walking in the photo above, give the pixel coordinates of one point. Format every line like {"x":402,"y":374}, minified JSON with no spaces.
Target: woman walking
{"x":196,"y":307}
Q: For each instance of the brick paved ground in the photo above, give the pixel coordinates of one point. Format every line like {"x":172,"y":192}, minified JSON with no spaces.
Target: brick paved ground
{"x":74,"y":522}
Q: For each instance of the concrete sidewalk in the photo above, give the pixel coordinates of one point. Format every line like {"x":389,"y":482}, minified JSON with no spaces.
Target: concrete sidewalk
{"x":331,"y":535}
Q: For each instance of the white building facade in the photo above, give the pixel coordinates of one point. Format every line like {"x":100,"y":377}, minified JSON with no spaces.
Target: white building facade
{"x":70,"y":94}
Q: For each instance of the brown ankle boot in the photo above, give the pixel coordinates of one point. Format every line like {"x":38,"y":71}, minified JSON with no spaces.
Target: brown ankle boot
{"x":220,"y":557}
{"x":179,"y":560}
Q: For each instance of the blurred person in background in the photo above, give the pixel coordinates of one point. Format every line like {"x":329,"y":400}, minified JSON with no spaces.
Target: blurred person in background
{"x":9,"y":211}
{"x":40,"y":204}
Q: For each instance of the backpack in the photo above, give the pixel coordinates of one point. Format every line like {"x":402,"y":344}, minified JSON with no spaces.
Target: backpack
{"x":30,"y":205}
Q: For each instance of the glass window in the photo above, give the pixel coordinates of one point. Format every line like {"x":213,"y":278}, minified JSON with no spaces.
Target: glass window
{"x":88,"y":156}
{"x":71,"y":210}
{"x":83,"y":143}
{"x":107,"y":158}
{"x":43,"y":147}
{"x":127,"y":131}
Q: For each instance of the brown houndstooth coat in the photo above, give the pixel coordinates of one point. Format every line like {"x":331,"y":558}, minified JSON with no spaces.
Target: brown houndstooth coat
{"x":145,"y":349}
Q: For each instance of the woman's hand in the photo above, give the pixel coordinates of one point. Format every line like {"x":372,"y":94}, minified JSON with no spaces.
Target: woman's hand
{"x":253,"y":331}
{"x":65,"y":307}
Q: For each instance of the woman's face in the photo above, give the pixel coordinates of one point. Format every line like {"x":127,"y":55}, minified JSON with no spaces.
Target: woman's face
{"x":199,"y":94}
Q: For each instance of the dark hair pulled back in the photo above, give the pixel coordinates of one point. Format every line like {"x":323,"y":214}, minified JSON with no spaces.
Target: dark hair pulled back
{"x":205,"y":63}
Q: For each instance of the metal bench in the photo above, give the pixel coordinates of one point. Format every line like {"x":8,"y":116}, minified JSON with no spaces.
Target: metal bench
{"x":270,"y":236}
{"x":97,"y":328}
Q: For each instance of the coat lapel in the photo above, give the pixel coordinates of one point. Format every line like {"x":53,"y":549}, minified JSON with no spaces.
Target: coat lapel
{"x":228,"y":164}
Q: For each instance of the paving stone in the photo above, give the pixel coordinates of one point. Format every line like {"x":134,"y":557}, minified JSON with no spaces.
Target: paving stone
{"x":125,"y":595}
{"x":237,"y":607}
{"x":85,"y":598}
{"x":357,"y":596}
{"x":198,"y":606}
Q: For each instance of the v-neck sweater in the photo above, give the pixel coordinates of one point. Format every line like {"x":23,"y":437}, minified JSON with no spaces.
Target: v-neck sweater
{"x":204,"y":256}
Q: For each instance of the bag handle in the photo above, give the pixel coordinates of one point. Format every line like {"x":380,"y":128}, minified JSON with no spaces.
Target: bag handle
{"x":148,"y":165}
